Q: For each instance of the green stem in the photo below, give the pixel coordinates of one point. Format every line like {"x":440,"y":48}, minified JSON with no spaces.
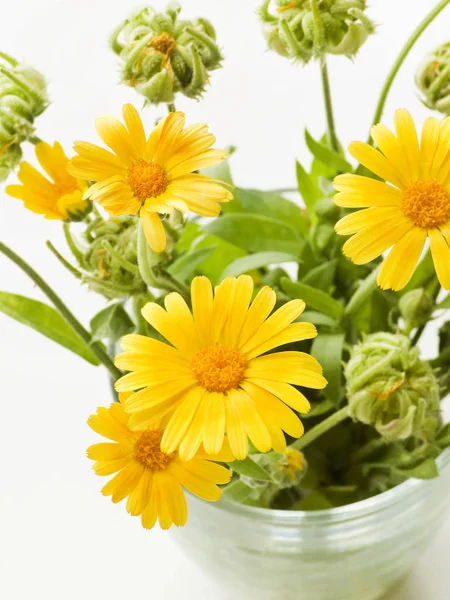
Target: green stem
{"x":12,"y":61}
{"x":321,"y":428}
{"x":123,"y":262}
{"x":63,"y":261}
{"x":63,"y":310}
{"x":420,"y":330}
{"x":401,"y":58}
{"x":34,"y":139}
{"x":332,"y":138}
{"x":143,"y":260}
{"x":171,"y":107}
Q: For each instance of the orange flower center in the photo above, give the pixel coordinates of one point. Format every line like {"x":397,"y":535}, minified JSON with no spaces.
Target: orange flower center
{"x":148,"y":451}
{"x":219,"y":368}
{"x":427,"y":203}
{"x":163,"y":43}
{"x":147,"y":179}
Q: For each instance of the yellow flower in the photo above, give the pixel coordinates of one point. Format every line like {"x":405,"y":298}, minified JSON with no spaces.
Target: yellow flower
{"x":62,"y":197}
{"x":154,"y":175}
{"x":213,"y":380}
{"x":412,"y":205}
{"x":152,"y":480}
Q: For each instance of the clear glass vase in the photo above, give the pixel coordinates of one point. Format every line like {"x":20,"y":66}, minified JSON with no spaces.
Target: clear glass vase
{"x":356,"y":552}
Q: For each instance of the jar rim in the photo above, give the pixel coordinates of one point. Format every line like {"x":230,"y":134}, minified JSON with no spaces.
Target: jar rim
{"x":341,"y":513}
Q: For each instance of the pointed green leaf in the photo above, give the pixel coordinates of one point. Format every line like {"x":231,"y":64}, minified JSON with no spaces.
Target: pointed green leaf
{"x":362,"y":294}
{"x":111,"y":323}
{"x":256,"y":233}
{"x":321,"y":277}
{"x":256,"y":261}
{"x":315,"y":299}
{"x":249,"y":468}
{"x":185,"y":266}
{"x":327,"y":348}
{"x":327,"y":156}
{"x":308,"y":191}
{"x":236,"y":491}
{"x":425,"y":470}
{"x":47,"y":321}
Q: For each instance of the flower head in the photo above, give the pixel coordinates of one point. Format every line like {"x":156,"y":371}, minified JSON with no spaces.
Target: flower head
{"x":23,"y":97}
{"x":413,"y":203}
{"x":162,"y":55}
{"x":305,"y":29}
{"x":151,"y":479}
{"x":153,"y":175}
{"x":389,"y":387}
{"x":433,"y":79}
{"x":214,"y":377}
{"x":60,"y":196}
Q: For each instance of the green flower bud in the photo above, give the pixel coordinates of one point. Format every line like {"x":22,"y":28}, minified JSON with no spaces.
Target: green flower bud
{"x":305,"y":29}
{"x":433,"y":79}
{"x":416,"y":308}
{"x":286,"y":468}
{"x":162,"y":55}
{"x":23,"y":97}
{"x":108,"y":257}
{"x":390,"y":388}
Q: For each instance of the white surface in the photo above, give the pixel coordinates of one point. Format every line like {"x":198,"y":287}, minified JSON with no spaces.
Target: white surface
{"x":59,"y":538}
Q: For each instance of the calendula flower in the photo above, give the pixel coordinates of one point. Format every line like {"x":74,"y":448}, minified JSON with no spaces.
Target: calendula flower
{"x":150,"y":479}
{"x":60,"y":196}
{"x":215,"y":377}
{"x":153,"y":175}
{"x":412,"y":205}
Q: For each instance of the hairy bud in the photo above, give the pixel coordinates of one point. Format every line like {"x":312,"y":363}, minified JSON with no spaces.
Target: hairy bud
{"x":391,"y":388}
{"x":305,"y":29}
{"x":416,"y":308}
{"x":162,"y":55}
{"x":433,"y":79}
{"x":23,"y":97}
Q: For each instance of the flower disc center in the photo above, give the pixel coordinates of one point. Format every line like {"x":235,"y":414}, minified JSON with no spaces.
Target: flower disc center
{"x":147,"y":179}
{"x":219,"y":368}
{"x":427,"y":203}
{"x":148,"y":451}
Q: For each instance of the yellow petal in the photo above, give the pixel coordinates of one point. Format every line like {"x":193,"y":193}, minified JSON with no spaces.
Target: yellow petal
{"x":371,"y":242}
{"x":214,"y":428}
{"x":398,"y":268}
{"x":238,"y":310}
{"x":181,"y":420}
{"x":202,"y":306}
{"x":296,"y":332}
{"x":168,"y":328}
{"x":285,"y":392}
{"x":153,"y":230}
{"x":376,"y":162}
{"x":407,"y":136}
{"x":194,"y":483}
{"x":365,"y":218}
{"x":237,"y":435}
{"x":114,"y":134}
{"x":440,"y":251}
{"x":140,"y":496}
{"x":135,"y":128}
{"x":394,"y":151}
{"x":258,"y":312}
{"x":254,"y":425}
{"x":442,"y":150}
{"x":428,"y":146}
{"x":223,"y":299}
{"x":193,"y":438}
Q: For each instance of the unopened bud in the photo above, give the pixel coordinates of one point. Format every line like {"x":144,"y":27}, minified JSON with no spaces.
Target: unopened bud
{"x":305,"y":29}
{"x":162,"y":55}
{"x":416,"y":308}
{"x":391,"y":388}
{"x":433,"y":79}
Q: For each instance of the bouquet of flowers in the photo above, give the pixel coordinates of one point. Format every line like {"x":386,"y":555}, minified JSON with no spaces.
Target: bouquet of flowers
{"x":269,"y":349}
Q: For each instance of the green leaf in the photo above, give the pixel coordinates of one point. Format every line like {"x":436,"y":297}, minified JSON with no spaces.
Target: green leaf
{"x":111,"y":323}
{"x":185,"y":266}
{"x":256,"y":261}
{"x":445,"y":302}
{"x":236,"y":491}
{"x":422,"y":275}
{"x":47,"y":321}
{"x":321,"y":277}
{"x":256,"y":233}
{"x":249,"y":468}
{"x":271,"y":204}
{"x":443,"y":437}
{"x":425,"y":470}
{"x":327,"y":348}
{"x":222,"y":255}
{"x":308,"y":191}
{"x":315,"y":299}
{"x":327,"y":156}
{"x":362,"y":294}
{"x":318,"y":319}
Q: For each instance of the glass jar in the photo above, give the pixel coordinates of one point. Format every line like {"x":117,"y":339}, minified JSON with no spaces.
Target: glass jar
{"x":355,"y":552}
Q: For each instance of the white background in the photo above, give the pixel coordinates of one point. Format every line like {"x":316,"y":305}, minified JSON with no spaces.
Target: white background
{"x":59,"y":538}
